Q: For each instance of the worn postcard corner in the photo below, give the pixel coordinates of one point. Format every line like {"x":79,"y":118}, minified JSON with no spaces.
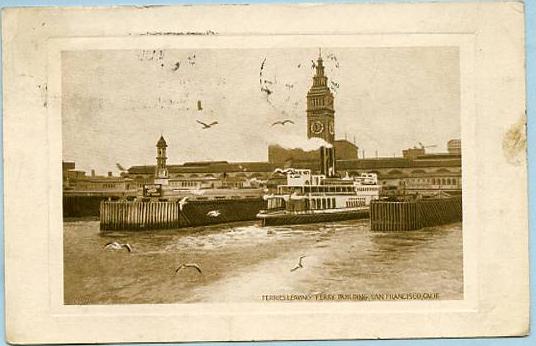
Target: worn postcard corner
{"x":268,"y":179}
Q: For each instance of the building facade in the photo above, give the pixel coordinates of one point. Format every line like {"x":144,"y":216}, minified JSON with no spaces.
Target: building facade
{"x":454,"y":146}
{"x":344,"y":150}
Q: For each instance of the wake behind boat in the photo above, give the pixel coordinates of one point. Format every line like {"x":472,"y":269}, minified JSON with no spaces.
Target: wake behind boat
{"x":309,"y":198}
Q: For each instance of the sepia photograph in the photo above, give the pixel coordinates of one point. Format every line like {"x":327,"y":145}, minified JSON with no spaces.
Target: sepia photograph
{"x":265,"y":172}
{"x":256,"y":175}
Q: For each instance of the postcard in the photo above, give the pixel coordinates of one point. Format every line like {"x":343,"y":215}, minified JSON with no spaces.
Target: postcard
{"x":265,"y":172}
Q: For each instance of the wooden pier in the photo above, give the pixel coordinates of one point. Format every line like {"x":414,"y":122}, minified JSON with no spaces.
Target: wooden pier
{"x":139,"y":215}
{"x":411,"y":215}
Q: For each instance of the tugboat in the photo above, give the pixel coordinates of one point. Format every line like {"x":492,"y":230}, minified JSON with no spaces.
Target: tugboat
{"x":309,"y":198}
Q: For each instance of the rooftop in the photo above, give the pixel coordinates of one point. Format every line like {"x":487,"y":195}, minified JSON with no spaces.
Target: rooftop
{"x":161,"y":142}
{"x":430,"y":160}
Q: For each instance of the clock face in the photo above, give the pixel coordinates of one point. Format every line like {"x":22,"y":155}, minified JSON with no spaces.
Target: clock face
{"x":331,"y":128}
{"x":317,"y":127}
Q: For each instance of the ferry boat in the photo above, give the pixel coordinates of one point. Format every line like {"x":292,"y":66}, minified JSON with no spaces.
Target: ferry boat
{"x":309,"y":198}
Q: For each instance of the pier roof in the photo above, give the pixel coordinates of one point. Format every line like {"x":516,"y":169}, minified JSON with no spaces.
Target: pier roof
{"x":440,"y":160}
{"x":209,"y":167}
{"x":397,"y":163}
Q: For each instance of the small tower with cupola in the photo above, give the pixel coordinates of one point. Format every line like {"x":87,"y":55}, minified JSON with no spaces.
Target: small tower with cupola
{"x":161,"y":175}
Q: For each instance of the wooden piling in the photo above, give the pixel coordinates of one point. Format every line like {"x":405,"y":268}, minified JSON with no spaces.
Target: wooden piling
{"x":410,"y":215}
{"x":138,"y":215}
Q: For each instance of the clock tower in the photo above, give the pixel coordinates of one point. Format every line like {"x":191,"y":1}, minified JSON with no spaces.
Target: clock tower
{"x":321,"y":117}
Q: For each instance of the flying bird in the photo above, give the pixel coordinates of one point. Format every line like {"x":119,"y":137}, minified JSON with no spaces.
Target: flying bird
{"x":182,"y":202}
{"x":299,"y":65}
{"x":199,"y":106}
{"x":214,"y":213}
{"x":117,"y":246}
{"x":299,"y":265}
{"x":188,"y":265}
{"x":286,"y":121}
{"x":177,"y":66}
{"x":207,"y":126}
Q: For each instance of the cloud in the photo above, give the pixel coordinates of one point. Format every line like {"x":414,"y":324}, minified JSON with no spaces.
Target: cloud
{"x":299,"y":142}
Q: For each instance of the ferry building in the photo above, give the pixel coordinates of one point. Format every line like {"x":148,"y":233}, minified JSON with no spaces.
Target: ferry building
{"x":414,"y":171}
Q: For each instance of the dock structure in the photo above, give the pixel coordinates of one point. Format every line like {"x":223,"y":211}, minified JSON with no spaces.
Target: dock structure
{"x":152,"y":215}
{"x":139,"y":215}
{"x":395,"y":216}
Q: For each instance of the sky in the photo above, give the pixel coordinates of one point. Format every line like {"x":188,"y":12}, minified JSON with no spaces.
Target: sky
{"x":117,"y":103}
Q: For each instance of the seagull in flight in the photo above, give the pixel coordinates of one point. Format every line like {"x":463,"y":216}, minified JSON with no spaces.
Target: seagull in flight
{"x":299,"y":265}
{"x":117,"y":246}
{"x":214,"y":213}
{"x":188,"y":265}
{"x":286,"y":121}
{"x":207,"y":126}
{"x":182,"y":202}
